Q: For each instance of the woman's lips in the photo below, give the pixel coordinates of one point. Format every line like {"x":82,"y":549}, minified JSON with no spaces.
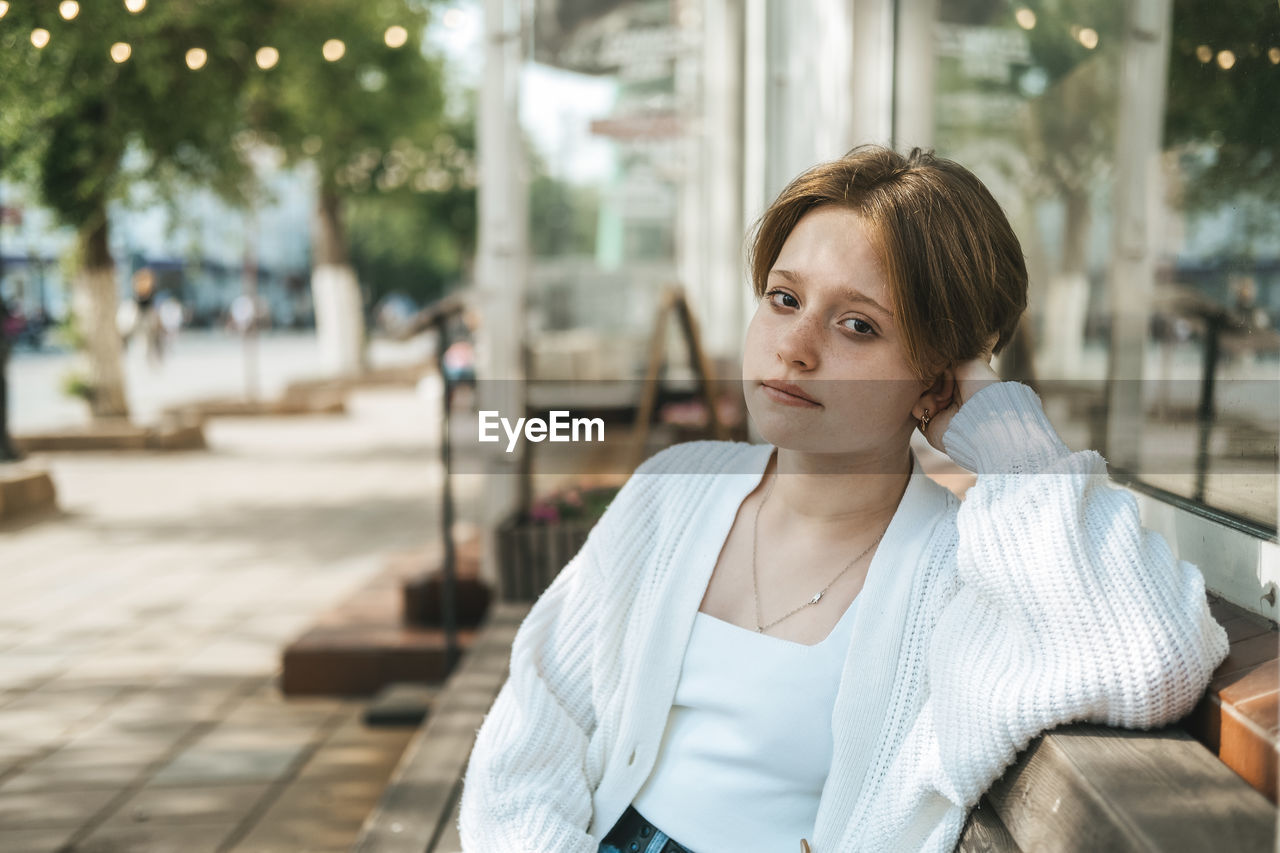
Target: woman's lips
{"x":788,"y":399}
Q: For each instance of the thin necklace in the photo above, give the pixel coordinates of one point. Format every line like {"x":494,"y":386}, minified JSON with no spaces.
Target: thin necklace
{"x":755,"y":583}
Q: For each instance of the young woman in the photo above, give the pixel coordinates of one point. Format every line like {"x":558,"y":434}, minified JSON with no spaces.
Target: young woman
{"x":809,"y":639}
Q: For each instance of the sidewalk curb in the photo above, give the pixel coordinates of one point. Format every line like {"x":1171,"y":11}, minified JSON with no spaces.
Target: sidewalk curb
{"x":323,"y":396}
{"x":25,"y":489}
{"x":235,"y":407}
{"x":364,"y":643}
{"x":114,"y":436}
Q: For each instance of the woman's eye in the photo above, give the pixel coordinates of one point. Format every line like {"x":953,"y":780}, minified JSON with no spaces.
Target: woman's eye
{"x":861,"y":326}
{"x":784,"y":295}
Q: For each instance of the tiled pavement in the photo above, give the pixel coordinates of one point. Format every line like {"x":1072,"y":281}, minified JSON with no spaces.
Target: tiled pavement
{"x":141,"y":630}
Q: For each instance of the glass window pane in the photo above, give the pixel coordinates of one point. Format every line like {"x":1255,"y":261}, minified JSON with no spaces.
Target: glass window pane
{"x":1028,"y":95}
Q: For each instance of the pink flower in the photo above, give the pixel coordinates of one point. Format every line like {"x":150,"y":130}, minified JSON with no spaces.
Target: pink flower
{"x":544,"y":512}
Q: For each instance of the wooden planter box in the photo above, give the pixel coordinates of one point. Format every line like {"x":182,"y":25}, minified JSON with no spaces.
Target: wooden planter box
{"x":531,"y":554}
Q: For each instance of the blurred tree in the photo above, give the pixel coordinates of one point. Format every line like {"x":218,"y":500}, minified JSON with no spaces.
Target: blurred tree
{"x":1056,"y":141}
{"x":93,"y":97}
{"x":419,"y":239}
{"x":351,"y":89}
{"x":1070,"y":138}
{"x":1223,"y":114}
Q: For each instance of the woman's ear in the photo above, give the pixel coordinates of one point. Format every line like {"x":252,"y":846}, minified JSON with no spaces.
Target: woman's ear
{"x":940,"y":395}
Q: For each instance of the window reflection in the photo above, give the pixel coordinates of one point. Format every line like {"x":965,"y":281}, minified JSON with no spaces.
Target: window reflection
{"x":1027,"y":94}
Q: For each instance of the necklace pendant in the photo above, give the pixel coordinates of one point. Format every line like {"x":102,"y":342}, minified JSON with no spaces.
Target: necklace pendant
{"x":814,"y":600}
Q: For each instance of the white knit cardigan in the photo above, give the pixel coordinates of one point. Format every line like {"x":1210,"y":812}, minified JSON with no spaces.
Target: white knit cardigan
{"x":1038,"y":600}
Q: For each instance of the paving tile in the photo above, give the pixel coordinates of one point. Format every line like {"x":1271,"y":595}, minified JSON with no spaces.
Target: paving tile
{"x":123,"y":668}
{"x":259,"y":714}
{"x":68,"y":693}
{"x":48,"y":840}
{"x":158,"y":838}
{"x":43,"y":777}
{"x":230,"y":765}
{"x":12,"y":755}
{"x":224,"y":656}
{"x":351,"y":761}
{"x":343,"y":800}
{"x":195,"y":804}
{"x":300,"y":834}
{"x":316,"y":815}
{"x":38,"y":809}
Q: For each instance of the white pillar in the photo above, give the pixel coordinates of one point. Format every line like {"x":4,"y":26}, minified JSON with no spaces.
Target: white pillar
{"x":872,"y":53}
{"x":502,"y":252}
{"x":914,"y":64}
{"x":1137,"y":206}
{"x":810,"y":100}
{"x":717,"y":297}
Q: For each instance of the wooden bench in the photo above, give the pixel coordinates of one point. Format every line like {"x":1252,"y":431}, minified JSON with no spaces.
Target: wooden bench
{"x":1076,"y":788}
{"x":1091,"y":788}
{"x":1206,"y":783}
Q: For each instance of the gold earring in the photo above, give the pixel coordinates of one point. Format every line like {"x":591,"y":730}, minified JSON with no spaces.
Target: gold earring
{"x":924,"y":421}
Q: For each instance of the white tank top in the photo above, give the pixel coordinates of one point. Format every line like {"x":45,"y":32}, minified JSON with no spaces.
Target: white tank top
{"x":747,"y":746}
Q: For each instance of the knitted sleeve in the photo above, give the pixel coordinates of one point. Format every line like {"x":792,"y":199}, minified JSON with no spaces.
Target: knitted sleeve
{"x":1067,"y":609}
{"x":525,"y":788}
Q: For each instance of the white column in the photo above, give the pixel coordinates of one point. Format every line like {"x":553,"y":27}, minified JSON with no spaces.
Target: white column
{"x":872,"y":53}
{"x":914,"y":64}
{"x":502,"y":251}
{"x":692,"y":259}
{"x":719,"y":307}
{"x":810,"y":100}
{"x":1137,"y":206}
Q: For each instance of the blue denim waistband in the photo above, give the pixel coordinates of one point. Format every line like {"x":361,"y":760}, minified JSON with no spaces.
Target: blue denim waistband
{"x":633,"y":834}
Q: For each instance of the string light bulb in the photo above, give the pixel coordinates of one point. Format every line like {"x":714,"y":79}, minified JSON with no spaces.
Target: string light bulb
{"x":266,"y":57}
{"x":333,"y":50}
{"x":120,"y":52}
{"x":1025,"y":18}
{"x":196,"y":58}
{"x":1226,"y":59}
{"x":1088,"y":37}
{"x":4,"y":8}
{"x":39,"y":37}
{"x":1274,"y":55}
{"x":68,"y":9}
{"x":135,"y":6}
{"x":396,"y":36}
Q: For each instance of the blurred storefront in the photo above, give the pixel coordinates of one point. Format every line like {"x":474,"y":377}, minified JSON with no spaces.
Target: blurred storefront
{"x":197,"y":244}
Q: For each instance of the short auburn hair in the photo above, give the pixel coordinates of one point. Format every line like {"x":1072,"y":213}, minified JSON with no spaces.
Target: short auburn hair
{"x":954,"y":266}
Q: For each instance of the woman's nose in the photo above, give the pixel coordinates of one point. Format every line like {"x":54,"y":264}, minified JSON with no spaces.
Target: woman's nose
{"x":797,"y":343}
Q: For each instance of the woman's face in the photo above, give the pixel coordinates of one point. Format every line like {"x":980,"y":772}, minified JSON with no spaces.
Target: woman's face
{"x":826,"y":325}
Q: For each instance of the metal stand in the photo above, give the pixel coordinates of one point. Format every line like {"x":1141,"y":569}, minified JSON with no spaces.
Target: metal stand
{"x":448,"y":598}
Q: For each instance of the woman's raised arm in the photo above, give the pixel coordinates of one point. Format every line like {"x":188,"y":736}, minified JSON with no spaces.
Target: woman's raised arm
{"x":1068,"y":608}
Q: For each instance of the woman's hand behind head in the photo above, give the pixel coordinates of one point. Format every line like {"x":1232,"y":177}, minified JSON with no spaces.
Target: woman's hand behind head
{"x":970,"y":378}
